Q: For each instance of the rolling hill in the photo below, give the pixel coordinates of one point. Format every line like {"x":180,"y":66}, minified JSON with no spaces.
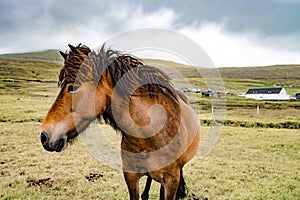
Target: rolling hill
{"x":50,"y":55}
{"x":44,"y":65}
{"x":240,"y":79}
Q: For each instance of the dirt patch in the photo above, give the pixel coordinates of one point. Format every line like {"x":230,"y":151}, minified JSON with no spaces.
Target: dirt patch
{"x":93,"y":176}
{"x":39,"y":182}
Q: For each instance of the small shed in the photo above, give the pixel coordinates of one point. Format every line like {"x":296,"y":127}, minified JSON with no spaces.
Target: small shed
{"x":272,"y":94}
{"x":207,"y":93}
{"x":297,"y":96}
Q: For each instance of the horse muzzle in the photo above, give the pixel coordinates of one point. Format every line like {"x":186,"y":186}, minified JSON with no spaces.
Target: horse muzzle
{"x":56,"y":145}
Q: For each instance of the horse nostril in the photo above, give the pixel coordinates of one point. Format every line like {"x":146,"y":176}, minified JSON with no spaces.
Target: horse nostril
{"x":59,"y":145}
{"x":43,"y":137}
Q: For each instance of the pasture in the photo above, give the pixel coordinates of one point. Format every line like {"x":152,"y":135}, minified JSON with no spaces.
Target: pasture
{"x":248,"y":162}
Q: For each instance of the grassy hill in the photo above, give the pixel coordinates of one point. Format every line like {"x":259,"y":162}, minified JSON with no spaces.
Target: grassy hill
{"x":240,"y":79}
{"x":21,"y":74}
{"x":287,"y":76}
{"x":283,"y":72}
{"x":46,"y":56}
{"x":256,"y":73}
{"x":45,"y":65}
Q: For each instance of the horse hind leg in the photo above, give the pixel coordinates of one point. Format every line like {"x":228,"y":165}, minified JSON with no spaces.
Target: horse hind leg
{"x":171,"y":192}
{"x":181,"y":190}
{"x":145,"y":195}
{"x":161,"y":193}
{"x":180,"y":194}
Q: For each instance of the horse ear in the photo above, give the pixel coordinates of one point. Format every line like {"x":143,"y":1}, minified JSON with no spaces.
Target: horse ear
{"x":63,"y":54}
{"x":74,"y":49}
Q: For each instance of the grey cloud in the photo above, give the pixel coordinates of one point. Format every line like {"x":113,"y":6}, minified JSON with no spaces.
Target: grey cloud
{"x":267,"y":16}
{"x":51,"y":22}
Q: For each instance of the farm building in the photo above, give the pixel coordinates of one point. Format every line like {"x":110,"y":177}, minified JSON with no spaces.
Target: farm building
{"x":275,"y":94}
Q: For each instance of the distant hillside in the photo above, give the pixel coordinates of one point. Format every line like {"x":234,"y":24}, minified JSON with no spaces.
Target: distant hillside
{"x":32,"y":66}
{"x":262,"y":73}
{"x":14,"y":70}
{"x":240,"y":79}
{"x":237,"y":79}
{"x":256,"y":73}
{"x":46,"y":56}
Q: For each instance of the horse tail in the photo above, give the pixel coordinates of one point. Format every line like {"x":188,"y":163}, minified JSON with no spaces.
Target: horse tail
{"x":182,"y":190}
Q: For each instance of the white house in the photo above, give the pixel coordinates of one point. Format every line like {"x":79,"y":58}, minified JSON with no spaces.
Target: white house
{"x":275,"y":94}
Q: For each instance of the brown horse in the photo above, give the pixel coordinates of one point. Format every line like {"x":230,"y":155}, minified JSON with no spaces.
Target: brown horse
{"x":160,"y":132}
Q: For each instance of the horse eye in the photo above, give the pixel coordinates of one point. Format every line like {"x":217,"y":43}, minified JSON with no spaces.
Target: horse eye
{"x":73,"y":88}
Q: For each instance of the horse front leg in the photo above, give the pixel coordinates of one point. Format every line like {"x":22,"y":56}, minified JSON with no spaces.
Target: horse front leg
{"x":132,"y":181}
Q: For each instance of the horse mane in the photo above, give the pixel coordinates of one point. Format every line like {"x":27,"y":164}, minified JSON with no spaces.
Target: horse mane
{"x":82,"y":64}
{"x":128,"y":73}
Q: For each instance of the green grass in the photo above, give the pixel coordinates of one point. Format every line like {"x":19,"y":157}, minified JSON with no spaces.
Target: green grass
{"x":251,"y":164}
{"x":23,"y":158}
{"x":246,"y":163}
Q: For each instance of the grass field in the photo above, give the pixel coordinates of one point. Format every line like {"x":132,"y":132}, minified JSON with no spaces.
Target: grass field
{"x":246,"y":163}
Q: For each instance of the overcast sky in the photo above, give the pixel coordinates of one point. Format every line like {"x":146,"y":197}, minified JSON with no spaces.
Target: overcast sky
{"x":232,"y":32}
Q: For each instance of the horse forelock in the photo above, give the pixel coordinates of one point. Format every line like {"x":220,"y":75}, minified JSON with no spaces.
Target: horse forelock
{"x":74,"y":63}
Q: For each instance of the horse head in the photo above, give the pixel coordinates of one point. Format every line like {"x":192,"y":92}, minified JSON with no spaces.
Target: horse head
{"x":75,"y":106}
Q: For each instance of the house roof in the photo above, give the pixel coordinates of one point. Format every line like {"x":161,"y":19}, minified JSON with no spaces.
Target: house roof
{"x":264,"y":91}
